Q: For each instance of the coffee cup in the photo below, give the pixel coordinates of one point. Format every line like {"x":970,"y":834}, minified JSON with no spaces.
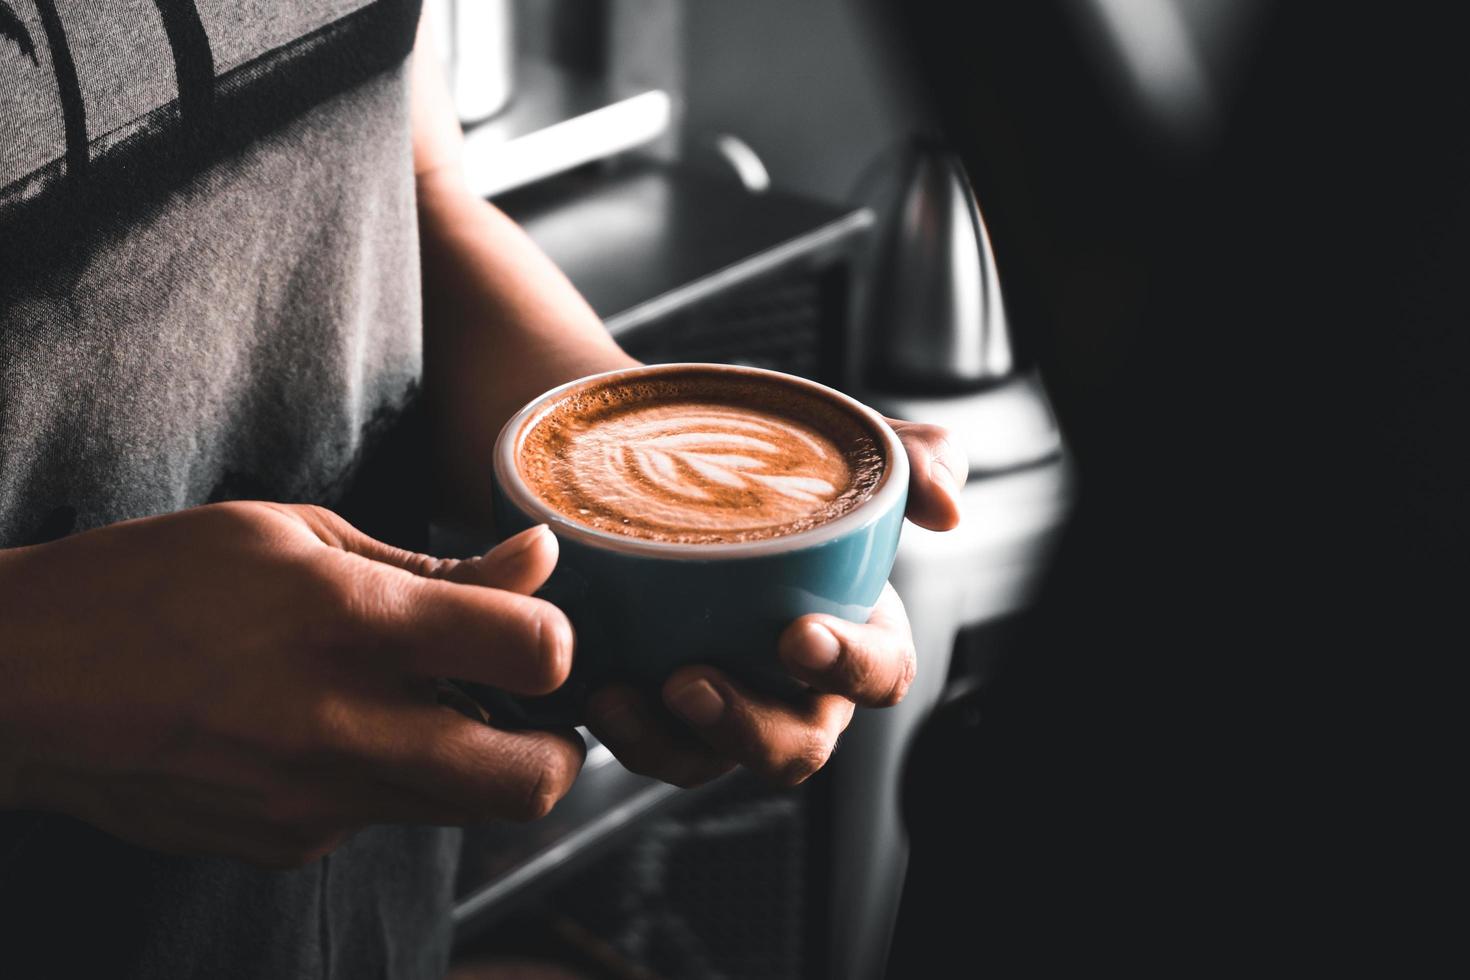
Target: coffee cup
{"x":699,"y":510}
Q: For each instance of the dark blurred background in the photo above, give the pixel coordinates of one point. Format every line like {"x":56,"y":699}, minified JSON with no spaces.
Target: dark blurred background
{"x":1186,"y":279}
{"x":1216,"y":748}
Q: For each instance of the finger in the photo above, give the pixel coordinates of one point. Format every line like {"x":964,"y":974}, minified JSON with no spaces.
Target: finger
{"x":521,"y":563}
{"x":468,"y":622}
{"x":435,"y":628}
{"x":334,"y":530}
{"x":782,"y":741}
{"x":427,"y":764}
{"x":647,"y":741}
{"x":873,"y":663}
{"x":937,"y":471}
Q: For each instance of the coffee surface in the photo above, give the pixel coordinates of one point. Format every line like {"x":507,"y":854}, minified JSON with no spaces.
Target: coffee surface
{"x":701,"y":457}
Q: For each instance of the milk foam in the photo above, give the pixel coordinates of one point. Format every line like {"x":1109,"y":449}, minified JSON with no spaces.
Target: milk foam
{"x":687,"y":468}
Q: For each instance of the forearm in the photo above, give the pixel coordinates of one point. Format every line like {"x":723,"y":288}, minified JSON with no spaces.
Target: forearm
{"x":501,"y":325}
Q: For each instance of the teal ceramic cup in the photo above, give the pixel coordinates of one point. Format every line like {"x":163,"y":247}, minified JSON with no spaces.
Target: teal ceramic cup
{"x":643,"y":608}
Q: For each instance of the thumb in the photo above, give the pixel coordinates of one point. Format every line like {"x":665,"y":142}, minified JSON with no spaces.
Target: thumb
{"x":521,"y":563}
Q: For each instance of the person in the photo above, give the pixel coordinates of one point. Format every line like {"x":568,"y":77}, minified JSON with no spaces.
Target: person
{"x":253,"y":328}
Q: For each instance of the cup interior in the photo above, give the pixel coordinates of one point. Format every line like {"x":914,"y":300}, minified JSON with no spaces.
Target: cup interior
{"x":728,"y":383}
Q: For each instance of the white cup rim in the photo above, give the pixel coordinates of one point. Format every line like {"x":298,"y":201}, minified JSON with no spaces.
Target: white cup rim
{"x":893,"y":484}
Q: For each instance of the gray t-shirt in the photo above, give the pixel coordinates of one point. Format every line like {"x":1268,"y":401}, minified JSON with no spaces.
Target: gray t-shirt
{"x":209,"y":290}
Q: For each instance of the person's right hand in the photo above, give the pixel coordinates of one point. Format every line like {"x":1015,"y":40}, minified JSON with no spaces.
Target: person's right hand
{"x":259,"y":680}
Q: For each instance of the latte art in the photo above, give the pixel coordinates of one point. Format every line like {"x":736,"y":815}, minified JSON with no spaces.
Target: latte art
{"x":711,"y":468}
{"x":666,"y":464}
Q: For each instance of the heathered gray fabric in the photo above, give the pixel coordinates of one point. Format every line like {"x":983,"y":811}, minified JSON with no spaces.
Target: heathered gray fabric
{"x":251,"y":329}
{"x":240,"y":29}
{"x":30,"y":126}
{"x":117,"y":85}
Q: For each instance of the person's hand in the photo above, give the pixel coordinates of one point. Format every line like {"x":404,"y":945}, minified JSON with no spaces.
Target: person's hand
{"x":258,"y":681}
{"x":708,"y":723}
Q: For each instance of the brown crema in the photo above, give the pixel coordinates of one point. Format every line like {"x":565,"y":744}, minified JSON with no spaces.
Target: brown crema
{"x":700,"y":456}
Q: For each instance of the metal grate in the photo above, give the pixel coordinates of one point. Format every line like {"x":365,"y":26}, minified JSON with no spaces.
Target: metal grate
{"x":719,"y":893}
{"x":776,"y":324}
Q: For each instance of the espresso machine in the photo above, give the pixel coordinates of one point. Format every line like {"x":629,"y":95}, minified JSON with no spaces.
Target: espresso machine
{"x":933,"y":343}
{"x":893,"y":295}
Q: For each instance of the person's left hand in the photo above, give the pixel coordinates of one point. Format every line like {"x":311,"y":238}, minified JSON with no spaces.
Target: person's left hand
{"x":708,"y":723}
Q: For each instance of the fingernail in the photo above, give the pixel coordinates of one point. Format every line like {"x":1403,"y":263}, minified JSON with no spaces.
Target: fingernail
{"x":699,"y":703}
{"x":620,"y":724}
{"x":818,"y":649}
{"x":518,"y":543}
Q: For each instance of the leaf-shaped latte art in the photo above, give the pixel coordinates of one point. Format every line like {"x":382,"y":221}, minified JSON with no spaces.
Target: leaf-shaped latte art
{"x":698,"y":469}
{"x":724,"y":450}
{"x":700,"y":456}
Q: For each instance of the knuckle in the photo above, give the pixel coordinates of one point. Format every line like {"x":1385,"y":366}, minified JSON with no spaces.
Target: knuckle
{"x":231,"y":515}
{"x":901,"y":683}
{"x":938,"y":437}
{"x":861,"y":669}
{"x":354,"y":603}
{"x":953,"y":457}
{"x":427,"y":566}
{"x":540,"y":803}
{"x":553,"y":775}
{"x":932,"y":438}
{"x":539,"y":799}
{"x":323,"y":523}
{"x":316,"y":515}
{"x":811,"y":754}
